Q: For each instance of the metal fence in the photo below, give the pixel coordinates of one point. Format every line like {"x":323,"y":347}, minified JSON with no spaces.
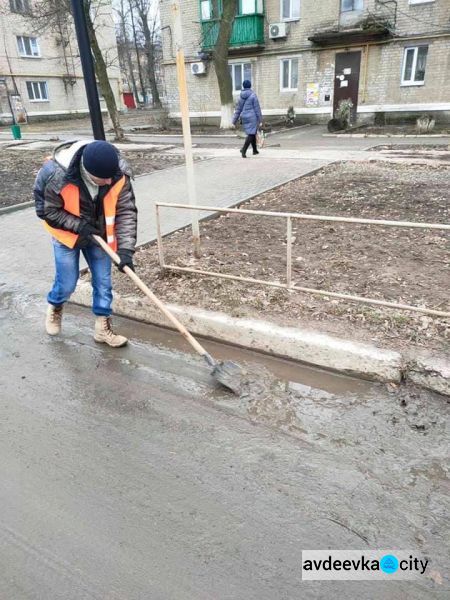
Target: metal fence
{"x":290,"y":285}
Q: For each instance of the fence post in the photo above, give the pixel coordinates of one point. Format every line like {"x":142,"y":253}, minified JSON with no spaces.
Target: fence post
{"x":159,"y":238}
{"x":289,"y":253}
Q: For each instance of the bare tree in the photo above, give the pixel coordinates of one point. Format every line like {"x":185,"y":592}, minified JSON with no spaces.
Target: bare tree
{"x":138,"y":54}
{"x":101,"y":70}
{"x":149,"y":26}
{"x":47,"y":15}
{"x":123,"y":44}
{"x":220,"y":60}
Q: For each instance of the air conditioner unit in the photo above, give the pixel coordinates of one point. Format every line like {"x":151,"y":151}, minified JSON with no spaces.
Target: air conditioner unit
{"x":277,"y":31}
{"x":198,"y":68}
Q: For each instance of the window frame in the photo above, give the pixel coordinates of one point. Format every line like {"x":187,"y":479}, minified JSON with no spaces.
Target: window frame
{"x":25,"y":9}
{"x":290,"y":18}
{"x":353,"y":9}
{"x":41,"y":85}
{"x":414,"y":2}
{"x":24,"y":54}
{"x":412,"y":82}
{"x":240,"y":13}
{"x":290,"y":59}
{"x":233,"y":79}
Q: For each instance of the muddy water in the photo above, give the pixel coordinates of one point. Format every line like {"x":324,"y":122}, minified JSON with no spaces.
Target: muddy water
{"x":280,"y":368}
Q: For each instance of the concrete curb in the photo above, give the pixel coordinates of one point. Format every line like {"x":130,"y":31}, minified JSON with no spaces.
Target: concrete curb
{"x":351,"y":358}
{"x":10,"y":209}
{"x":432,"y":373}
{"x":385,"y":135}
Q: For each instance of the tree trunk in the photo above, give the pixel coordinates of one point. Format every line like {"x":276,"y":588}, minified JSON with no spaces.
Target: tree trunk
{"x":103,"y":79}
{"x":220,"y":59}
{"x":126,"y":50}
{"x":138,"y":61}
{"x":156,"y":101}
{"x":130,"y":69}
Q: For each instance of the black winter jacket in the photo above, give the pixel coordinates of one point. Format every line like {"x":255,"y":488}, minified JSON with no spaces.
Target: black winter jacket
{"x":90,"y":210}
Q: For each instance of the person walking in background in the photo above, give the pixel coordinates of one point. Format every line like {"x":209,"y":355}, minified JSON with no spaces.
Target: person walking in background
{"x":249,"y":111}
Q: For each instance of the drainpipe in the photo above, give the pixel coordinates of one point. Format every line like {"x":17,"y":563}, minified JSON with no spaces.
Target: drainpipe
{"x":365,"y":70}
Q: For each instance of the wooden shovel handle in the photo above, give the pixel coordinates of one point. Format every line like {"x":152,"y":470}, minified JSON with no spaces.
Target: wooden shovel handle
{"x":141,"y":285}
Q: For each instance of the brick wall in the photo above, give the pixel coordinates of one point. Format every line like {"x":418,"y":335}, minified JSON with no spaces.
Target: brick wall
{"x":380,"y":81}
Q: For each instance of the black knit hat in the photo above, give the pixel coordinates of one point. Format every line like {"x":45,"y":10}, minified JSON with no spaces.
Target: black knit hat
{"x":101,"y":159}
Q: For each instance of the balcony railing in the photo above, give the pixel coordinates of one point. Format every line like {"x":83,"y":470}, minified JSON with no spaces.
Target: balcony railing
{"x":248,"y":30}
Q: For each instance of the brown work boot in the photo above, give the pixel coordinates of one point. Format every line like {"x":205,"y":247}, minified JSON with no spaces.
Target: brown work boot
{"x":53,"y":319}
{"x":105,"y":335}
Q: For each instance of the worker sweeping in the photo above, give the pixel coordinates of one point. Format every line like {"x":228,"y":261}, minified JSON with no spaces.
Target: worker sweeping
{"x":85,"y":191}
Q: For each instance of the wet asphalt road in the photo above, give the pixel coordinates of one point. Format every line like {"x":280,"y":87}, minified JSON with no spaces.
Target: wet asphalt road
{"x":125,"y":475}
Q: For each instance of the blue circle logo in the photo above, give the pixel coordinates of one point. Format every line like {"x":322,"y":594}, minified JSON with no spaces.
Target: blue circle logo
{"x":389,"y":563}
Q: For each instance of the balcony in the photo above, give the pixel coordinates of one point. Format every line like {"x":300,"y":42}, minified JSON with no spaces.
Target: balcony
{"x":367,"y":28}
{"x":248,"y":32}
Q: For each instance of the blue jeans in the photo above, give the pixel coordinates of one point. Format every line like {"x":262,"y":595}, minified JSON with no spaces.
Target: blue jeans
{"x":67,"y":263}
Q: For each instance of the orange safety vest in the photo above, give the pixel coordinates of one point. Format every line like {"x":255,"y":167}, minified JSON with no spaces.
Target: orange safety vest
{"x":71,"y":196}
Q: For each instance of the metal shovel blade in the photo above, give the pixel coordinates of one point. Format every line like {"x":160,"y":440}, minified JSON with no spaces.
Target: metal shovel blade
{"x":228,"y":374}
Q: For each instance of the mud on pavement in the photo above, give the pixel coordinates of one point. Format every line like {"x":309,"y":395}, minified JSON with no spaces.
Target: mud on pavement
{"x":300,"y":466}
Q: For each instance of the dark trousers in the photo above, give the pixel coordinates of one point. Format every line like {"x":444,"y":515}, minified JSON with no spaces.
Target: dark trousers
{"x":250,"y":139}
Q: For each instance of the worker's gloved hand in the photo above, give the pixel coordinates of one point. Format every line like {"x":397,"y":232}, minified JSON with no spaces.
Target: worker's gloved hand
{"x":126,"y":259}
{"x":87,"y":230}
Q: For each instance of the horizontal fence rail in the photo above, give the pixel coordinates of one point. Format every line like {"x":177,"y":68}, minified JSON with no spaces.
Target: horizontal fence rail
{"x":289,"y":285}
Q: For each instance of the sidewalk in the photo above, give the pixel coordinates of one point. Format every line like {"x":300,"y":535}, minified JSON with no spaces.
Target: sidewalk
{"x":26,"y":260}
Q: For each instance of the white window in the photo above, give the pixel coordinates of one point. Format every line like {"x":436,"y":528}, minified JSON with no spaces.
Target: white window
{"x":210,"y":9}
{"x":239,"y":73}
{"x":290,"y":10}
{"x":289,"y":74}
{"x":28,"y":46}
{"x":414,"y":65}
{"x":247,"y":7}
{"x":349,"y":5}
{"x":19,"y":6}
{"x":37,"y":91}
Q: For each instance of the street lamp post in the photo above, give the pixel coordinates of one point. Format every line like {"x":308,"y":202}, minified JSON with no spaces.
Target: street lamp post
{"x":87,"y":65}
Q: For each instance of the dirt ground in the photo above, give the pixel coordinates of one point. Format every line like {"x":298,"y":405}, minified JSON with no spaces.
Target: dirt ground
{"x":18,"y":169}
{"x":400,"y":265}
{"x":402,"y":129}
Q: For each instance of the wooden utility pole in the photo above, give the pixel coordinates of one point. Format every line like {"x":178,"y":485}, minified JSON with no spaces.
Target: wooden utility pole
{"x":184,"y":107}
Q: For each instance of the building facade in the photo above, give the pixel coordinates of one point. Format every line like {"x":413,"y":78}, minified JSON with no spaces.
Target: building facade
{"x":40,"y":69}
{"x":391,"y":58}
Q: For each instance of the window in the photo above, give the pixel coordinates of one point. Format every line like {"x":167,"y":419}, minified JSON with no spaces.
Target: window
{"x":28,"y":46}
{"x":289,"y":74}
{"x":210,"y":9}
{"x":20,"y":6}
{"x":349,"y":5}
{"x":37,"y":91}
{"x":290,"y":10}
{"x":247,"y":7}
{"x":414,"y":65}
{"x":239,"y":73}
{"x":250,"y":7}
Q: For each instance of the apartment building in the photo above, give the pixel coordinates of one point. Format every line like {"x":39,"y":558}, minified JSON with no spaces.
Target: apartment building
{"x":390,"y":57}
{"x":40,"y":69}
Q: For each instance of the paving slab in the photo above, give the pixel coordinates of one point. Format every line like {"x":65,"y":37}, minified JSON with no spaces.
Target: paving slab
{"x":26,"y":260}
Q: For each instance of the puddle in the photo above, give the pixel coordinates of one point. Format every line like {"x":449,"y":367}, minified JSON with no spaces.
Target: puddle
{"x":303,"y":377}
